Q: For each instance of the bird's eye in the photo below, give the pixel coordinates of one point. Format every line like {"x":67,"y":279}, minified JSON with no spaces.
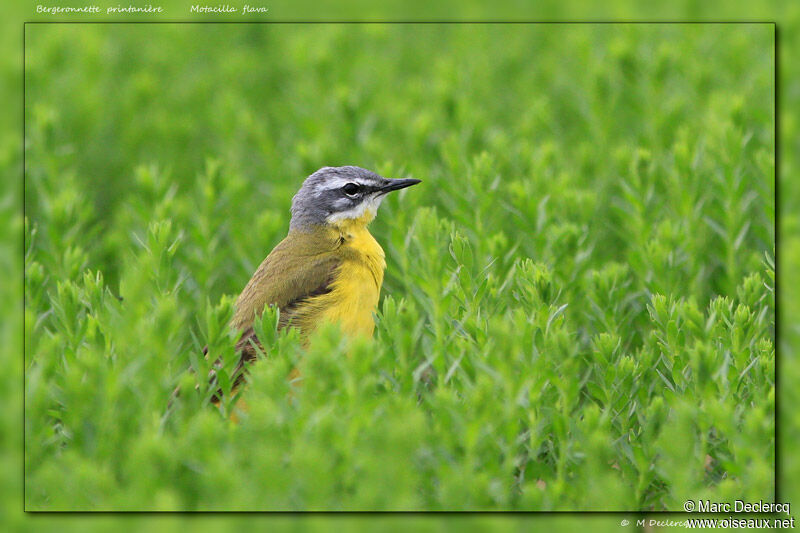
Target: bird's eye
{"x":350,"y":189}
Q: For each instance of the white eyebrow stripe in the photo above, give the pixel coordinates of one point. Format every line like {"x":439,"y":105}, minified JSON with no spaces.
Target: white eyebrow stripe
{"x":338,"y":183}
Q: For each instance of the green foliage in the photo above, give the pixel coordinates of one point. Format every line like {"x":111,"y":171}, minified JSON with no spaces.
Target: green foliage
{"x":579,"y":307}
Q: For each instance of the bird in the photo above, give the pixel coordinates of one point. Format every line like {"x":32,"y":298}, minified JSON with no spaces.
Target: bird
{"x":328,"y":268}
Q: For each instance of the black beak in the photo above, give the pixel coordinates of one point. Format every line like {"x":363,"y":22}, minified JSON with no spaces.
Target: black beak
{"x":394,"y":185}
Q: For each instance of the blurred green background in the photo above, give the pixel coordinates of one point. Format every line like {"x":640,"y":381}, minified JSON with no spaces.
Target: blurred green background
{"x":578,"y":302}
{"x":227,"y":134}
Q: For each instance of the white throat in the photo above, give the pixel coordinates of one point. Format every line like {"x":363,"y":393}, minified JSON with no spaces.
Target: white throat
{"x":367,"y":208}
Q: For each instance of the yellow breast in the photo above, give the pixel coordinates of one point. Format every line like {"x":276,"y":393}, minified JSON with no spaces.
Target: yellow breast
{"x":357,"y":285}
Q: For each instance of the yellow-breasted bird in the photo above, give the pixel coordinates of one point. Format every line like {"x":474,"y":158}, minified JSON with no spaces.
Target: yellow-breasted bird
{"x":329,"y":268}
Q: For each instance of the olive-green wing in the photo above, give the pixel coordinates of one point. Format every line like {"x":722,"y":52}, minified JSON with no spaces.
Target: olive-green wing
{"x":300,"y":267}
{"x":291,"y":274}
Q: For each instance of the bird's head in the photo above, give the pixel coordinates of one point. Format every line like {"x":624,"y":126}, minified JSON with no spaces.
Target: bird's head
{"x":341,"y":195}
